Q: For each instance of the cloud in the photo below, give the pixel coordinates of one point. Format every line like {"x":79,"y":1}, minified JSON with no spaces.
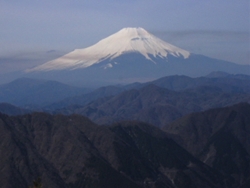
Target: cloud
{"x":25,"y":60}
{"x":209,"y":36}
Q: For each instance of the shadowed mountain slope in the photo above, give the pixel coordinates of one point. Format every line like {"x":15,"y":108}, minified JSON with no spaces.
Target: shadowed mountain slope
{"x":218,"y":137}
{"x":9,"y":109}
{"x":71,"y":151}
{"x":56,"y":149}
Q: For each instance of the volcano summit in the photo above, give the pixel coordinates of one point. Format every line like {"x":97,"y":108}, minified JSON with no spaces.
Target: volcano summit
{"x":131,"y":54}
{"x":127,"y":40}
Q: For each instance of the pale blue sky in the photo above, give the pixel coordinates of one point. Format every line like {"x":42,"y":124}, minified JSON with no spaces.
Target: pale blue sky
{"x":216,"y":28}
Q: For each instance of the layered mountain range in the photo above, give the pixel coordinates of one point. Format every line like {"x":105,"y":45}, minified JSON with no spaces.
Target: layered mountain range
{"x":172,"y":131}
{"x":174,"y":147}
{"x":158,"y":102}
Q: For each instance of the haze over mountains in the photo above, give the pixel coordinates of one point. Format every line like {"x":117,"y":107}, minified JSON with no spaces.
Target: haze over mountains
{"x":215,"y":90}
{"x":130,"y":55}
{"x":158,"y":102}
{"x":26,"y":91}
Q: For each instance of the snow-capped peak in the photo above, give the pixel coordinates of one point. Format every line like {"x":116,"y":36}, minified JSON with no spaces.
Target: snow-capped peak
{"x":124,"y":41}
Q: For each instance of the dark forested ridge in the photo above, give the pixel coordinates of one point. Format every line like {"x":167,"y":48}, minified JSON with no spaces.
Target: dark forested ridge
{"x":10,"y":109}
{"x":72,"y":151}
{"x":218,"y":137}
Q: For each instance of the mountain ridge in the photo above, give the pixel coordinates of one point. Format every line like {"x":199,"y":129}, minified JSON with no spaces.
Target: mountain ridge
{"x":36,"y":92}
{"x":73,"y":152}
{"x":154,"y":104}
{"x":218,"y":137}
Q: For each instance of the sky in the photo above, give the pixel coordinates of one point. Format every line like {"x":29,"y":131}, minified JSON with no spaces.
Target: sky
{"x":34,"y":31}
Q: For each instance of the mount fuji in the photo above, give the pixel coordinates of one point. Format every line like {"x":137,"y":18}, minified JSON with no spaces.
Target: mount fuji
{"x":127,"y":40}
{"x":130,"y":55}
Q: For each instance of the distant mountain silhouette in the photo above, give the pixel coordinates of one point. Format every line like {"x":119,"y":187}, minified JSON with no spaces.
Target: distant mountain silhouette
{"x":83,"y":99}
{"x":230,"y":83}
{"x":37,"y":93}
{"x":9,"y":109}
{"x":155,"y":105}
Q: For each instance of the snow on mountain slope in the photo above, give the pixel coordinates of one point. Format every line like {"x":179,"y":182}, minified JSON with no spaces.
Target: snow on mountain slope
{"x":124,"y":41}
